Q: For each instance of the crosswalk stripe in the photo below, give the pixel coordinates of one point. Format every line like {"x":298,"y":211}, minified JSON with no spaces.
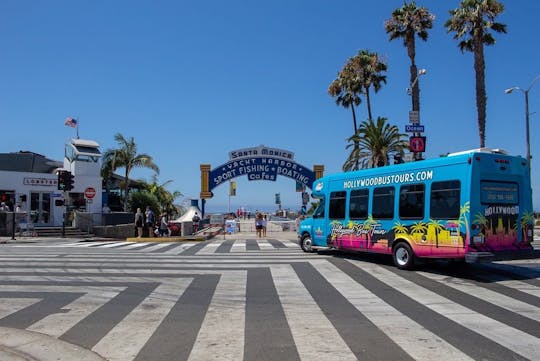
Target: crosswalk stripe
{"x":238,"y":246}
{"x":11,"y":305}
{"x":136,"y":245}
{"x":126,"y":339}
{"x":265,"y":245}
{"x":110,"y":245}
{"x":301,"y":282}
{"x":520,"y":342}
{"x":210,"y":247}
{"x":486,"y":295}
{"x":310,"y":328}
{"x":156,"y":246}
{"x":404,"y":331}
{"x":59,"y":323}
{"x":225,"y":342}
{"x":517,"y":285}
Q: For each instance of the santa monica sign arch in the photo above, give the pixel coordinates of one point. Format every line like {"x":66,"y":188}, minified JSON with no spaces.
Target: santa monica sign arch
{"x":257,"y":163}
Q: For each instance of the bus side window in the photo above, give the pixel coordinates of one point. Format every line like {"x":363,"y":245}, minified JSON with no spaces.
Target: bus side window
{"x":383,"y":203}
{"x":358,"y":205}
{"x":444,"y":200}
{"x":337,"y":205}
{"x":411,"y":201}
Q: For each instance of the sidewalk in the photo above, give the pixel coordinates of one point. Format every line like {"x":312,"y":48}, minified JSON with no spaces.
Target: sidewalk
{"x":22,"y":345}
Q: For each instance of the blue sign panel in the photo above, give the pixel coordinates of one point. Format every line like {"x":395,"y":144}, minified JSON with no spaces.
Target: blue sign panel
{"x":414,"y":128}
{"x":261,"y":168}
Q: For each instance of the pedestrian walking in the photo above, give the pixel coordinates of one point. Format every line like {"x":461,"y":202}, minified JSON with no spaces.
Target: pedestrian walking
{"x":258,"y":224}
{"x":264,"y":222}
{"x":139,"y":222}
{"x":196,"y":219}
{"x":149,"y":221}
{"x":163,"y":226}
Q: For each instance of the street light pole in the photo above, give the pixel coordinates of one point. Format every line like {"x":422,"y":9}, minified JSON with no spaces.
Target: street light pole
{"x":526,"y":92}
{"x":415,"y":109}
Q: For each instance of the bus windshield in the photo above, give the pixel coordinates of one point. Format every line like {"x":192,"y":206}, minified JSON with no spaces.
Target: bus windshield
{"x":319,"y":211}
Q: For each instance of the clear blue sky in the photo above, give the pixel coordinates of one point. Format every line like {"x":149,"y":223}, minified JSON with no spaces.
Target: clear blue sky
{"x":193,"y":80}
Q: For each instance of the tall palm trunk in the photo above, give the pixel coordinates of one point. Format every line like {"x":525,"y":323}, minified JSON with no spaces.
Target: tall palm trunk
{"x":354,"y":118}
{"x":356,"y":142}
{"x":126,"y":189}
{"x":481,"y":98}
{"x":368,"y":102}
{"x":415,"y":91}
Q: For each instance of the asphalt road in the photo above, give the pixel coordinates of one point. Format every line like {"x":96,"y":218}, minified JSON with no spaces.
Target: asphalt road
{"x":237,"y":298}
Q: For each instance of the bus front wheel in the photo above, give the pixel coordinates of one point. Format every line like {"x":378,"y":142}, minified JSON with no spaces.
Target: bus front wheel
{"x":306,"y":243}
{"x":403,"y":256}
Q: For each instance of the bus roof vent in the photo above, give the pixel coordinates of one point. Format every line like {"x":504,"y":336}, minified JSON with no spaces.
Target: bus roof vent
{"x":481,"y":150}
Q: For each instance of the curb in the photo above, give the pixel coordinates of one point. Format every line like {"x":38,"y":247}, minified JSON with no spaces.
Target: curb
{"x":24,"y":345}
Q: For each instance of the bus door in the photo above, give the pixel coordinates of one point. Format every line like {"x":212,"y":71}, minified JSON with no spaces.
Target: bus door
{"x":448,"y":218}
{"x":358,"y":216}
{"x":320,"y":225}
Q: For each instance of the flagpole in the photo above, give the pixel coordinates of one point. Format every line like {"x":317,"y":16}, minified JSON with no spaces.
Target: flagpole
{"x":77,"y":128}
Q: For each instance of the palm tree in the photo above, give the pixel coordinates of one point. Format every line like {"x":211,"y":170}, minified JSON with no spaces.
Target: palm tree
{"x":407,"y":22}
{"x":164,"y":197}
{"x":437,"y":228}
{"x":400,"y":228}
{"x":357,"y":158}
{"x":368,"y":71}
{"x":472,"y":23}
{"x":126,"y":157}
{"x":346,"y":91}
{"x":378,"y":141}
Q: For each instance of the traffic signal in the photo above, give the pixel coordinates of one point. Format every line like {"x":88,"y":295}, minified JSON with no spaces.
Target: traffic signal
{"x":65,"y":180}
{"x":70,"y":180}
{"x":61,"y":180}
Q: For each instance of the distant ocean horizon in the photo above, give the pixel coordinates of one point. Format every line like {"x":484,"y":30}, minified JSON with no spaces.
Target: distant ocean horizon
{"x":217,"y":208}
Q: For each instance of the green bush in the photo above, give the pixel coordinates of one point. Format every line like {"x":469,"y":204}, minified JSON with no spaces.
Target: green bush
{"x":143,"y":199}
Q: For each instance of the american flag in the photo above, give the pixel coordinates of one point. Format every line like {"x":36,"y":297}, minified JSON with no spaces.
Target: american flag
{"x":70,"y":122}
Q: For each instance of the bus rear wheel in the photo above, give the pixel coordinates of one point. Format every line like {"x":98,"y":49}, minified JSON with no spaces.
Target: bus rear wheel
{"x":403,"y":256}
{"x":306,"y":243}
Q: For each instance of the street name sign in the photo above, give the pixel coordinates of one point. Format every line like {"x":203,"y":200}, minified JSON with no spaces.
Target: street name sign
{"x":414,"y":128}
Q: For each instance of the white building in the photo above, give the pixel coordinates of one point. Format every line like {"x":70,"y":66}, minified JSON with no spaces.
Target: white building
{"x":30,"y":180}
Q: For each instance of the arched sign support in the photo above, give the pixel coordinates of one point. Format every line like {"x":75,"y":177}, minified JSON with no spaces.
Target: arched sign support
{"x":258,"y":163}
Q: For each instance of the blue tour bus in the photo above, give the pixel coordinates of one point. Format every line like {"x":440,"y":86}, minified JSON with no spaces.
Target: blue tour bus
{"x":474,"y":205}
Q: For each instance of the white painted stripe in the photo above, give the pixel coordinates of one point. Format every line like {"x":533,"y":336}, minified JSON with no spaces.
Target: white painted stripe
{"x":239,"y":246}
{"x":158,"y":246}
{"x":290,"y":244}
{"x":111,"y":245}
{"x":264,"y":245}
{"x":58,"y":323}
{"x":128,"y":337}
{"x":498,"y":299}
{"x":135,"y":245}
{"x":314,"y":335}
{"x":518,"y":341}
{"x":11,"y":305}
{"x":180,"y":248}
{"x":517,"y":285}
{"x":210,"y":248}
{"x":221,"y":336}
{"x":401,"y":329}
